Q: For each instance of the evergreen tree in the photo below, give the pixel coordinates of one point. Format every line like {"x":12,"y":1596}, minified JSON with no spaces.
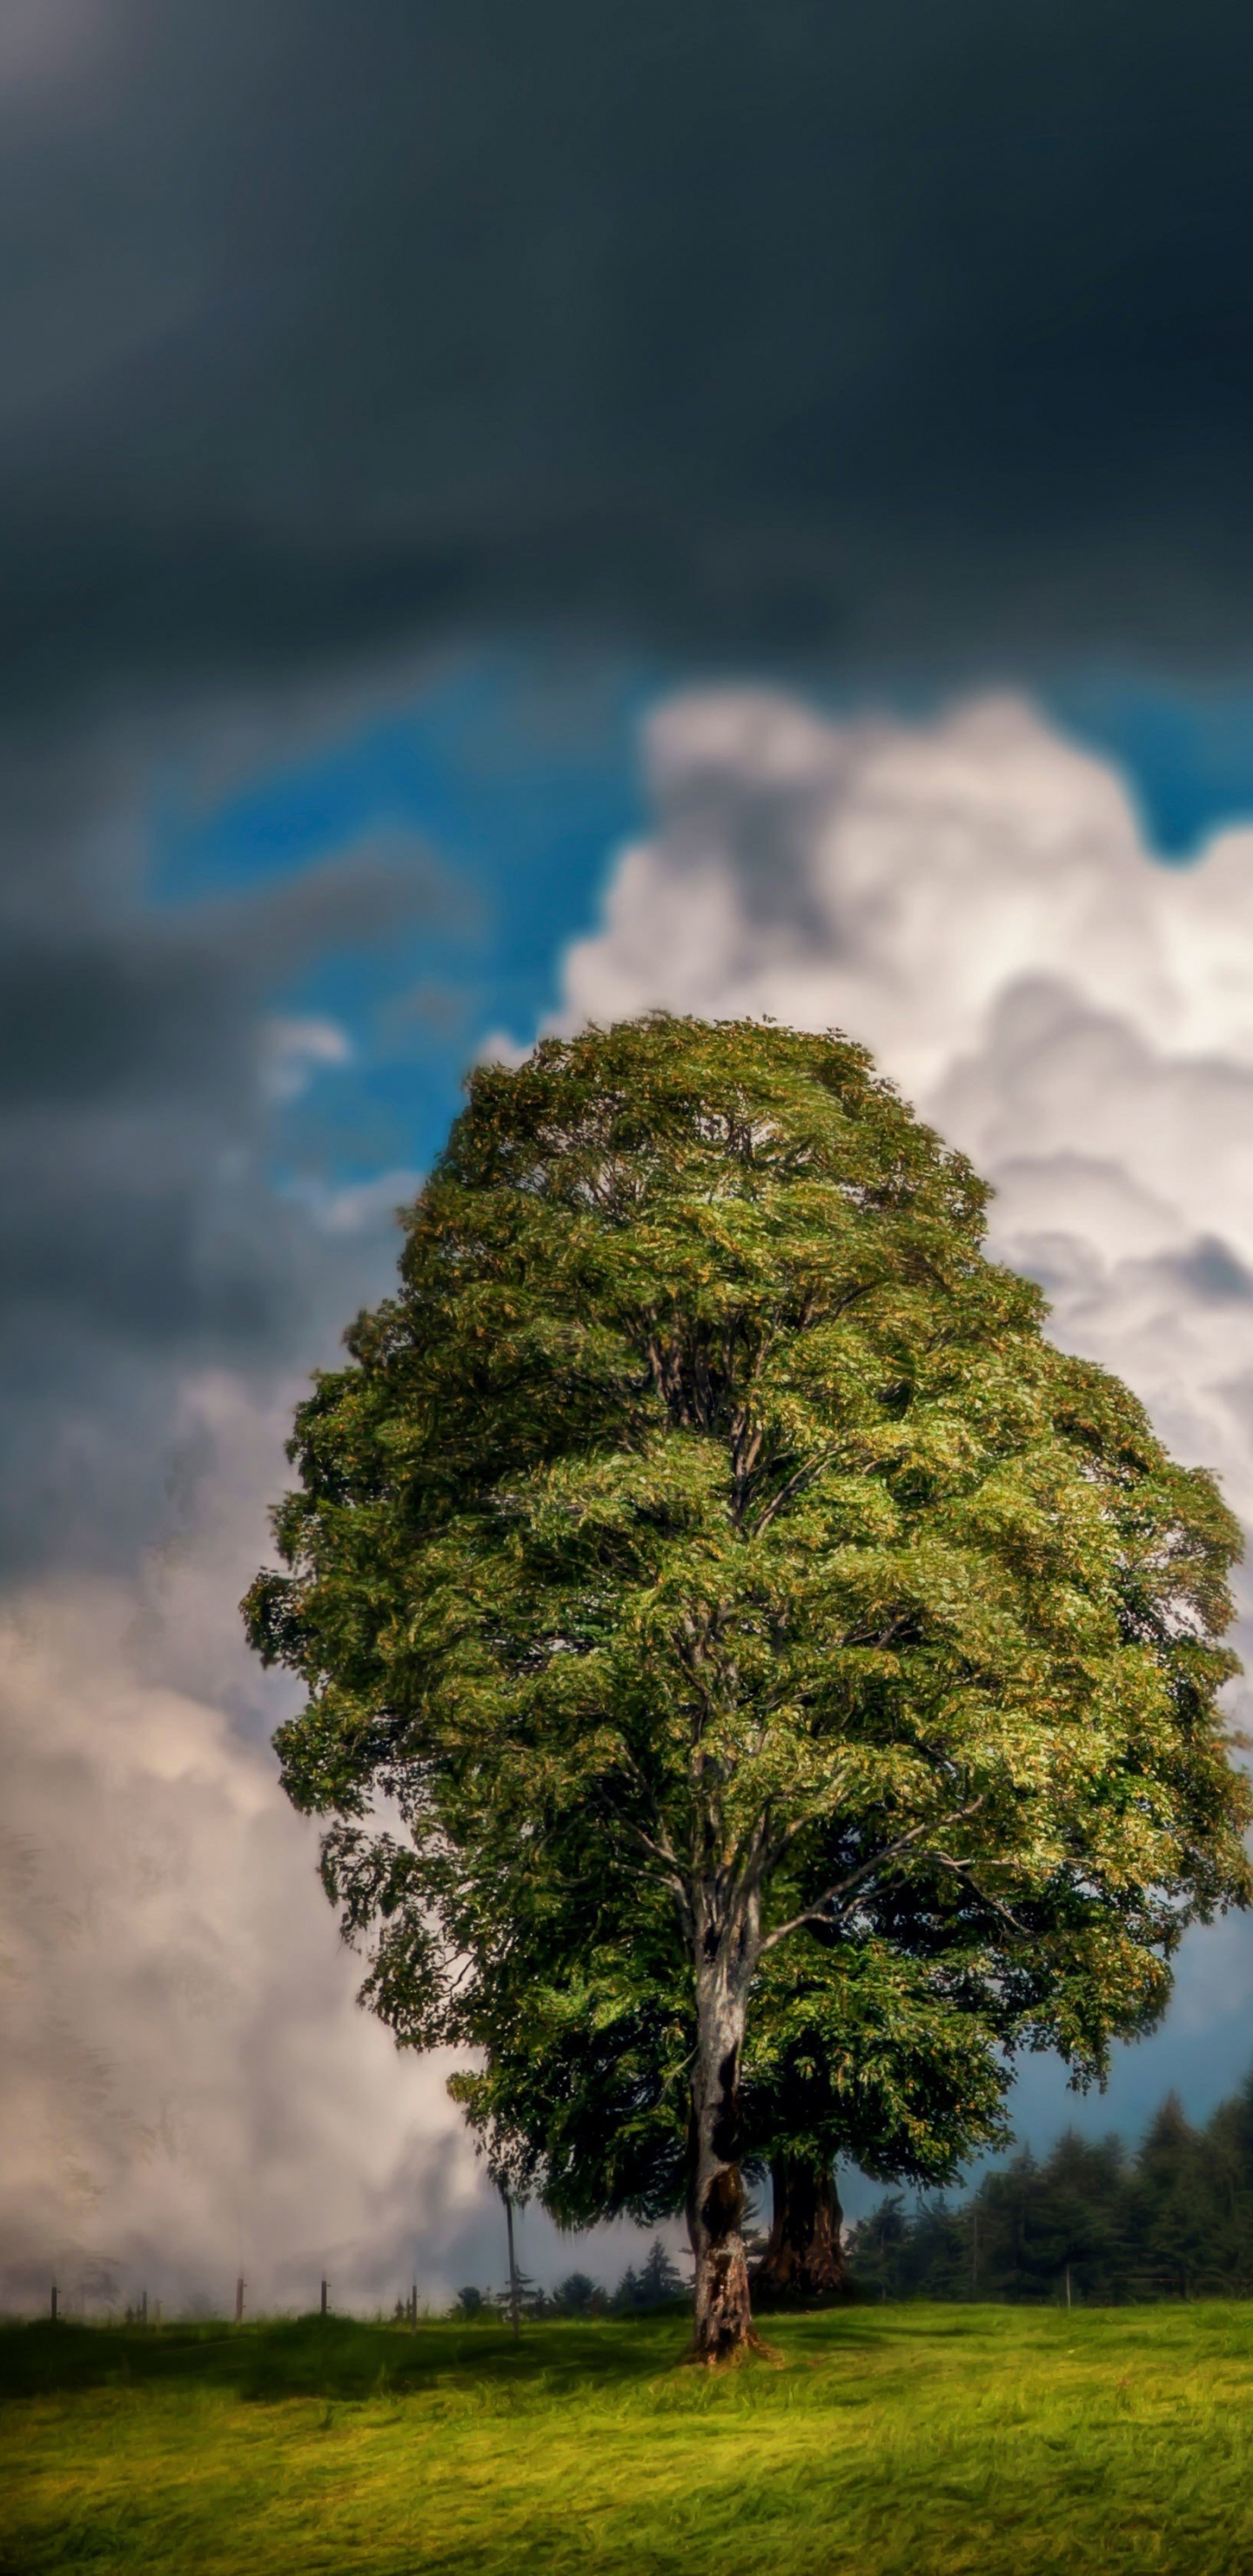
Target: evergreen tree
{"x":626,"y":2300}
{"x":1173,"y":2208}
{"x":1038,"y":2222}
{"x":877,"y":2248}
{"x":710,"y":1559}
{"x":660,"y":2279}
{"x":1174,"y":2221}
{"x":1228,"y":2150}
{"x":576,"y":2296}
{"x":656,"y":2285}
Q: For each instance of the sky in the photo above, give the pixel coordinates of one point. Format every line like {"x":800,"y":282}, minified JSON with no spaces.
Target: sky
{"x":511,"y":516}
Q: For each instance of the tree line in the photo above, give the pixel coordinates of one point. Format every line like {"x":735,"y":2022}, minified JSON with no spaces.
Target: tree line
{"x":656,"y":2284}
{"x":756,"y":1683}
{"x":1093,"y":2221}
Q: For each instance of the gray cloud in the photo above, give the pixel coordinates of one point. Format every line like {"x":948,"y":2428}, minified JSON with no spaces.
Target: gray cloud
{"x":1209,"y":1269}
{"x":140,"y":1067}
{"x":884,"y":331}
{"x":187,"y":2078}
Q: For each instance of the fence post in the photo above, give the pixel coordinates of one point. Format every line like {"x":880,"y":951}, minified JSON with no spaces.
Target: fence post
{"x":54,"y":2303}
{"x":324,"y":2298}
{"x":513,"y":2268}
{"x":240,"y":2287}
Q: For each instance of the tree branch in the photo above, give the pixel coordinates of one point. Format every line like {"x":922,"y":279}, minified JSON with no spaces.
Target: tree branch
{"x":804,"y":1475}
{"x":817,"y":1913}
{"x":669,"y":1871}
{"x":962,"y":1869}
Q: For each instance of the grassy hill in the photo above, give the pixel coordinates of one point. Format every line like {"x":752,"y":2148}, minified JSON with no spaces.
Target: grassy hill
{"x":892,"y":2441}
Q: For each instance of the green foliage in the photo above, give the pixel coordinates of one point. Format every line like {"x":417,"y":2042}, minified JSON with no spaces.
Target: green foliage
{"x":1173,"y":2221}
{"x":916,"y":2441}
{"x":706,"y":1547}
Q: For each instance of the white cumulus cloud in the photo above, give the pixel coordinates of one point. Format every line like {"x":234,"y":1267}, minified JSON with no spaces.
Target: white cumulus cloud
{"x":190,"y":2090}
{"x":973,"y":898}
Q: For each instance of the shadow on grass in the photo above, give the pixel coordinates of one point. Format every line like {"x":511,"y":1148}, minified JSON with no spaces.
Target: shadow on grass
{"x":318,"y":2356}
{"x":340,"y":2357}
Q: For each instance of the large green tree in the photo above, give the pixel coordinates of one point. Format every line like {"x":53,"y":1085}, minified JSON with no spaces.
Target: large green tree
{"x":708,"y":1560}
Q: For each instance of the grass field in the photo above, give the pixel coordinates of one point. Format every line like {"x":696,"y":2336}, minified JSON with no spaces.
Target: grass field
{"x":878,"y":2442}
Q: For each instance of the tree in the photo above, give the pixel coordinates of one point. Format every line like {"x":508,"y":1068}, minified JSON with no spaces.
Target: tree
{"x":707,"y":1555}
{"x":1036,"y":2222}
{"x":1229,"y":2162}
{"x":1173,"y":2206}
{"x":858,"y":2051}
{"x":657,"y":2285}
{"x":660,"y":2279}
{"x":879,"y":2247}
{"x":576,"y":2296}
{"x":1088,"y":2221}
{"x":803,"y":2258}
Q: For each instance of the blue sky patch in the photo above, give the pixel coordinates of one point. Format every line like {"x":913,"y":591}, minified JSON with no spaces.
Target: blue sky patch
{"x":516,"y":783}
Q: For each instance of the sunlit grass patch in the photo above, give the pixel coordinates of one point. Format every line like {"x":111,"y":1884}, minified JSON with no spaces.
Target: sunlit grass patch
{"x":882,"y":2442}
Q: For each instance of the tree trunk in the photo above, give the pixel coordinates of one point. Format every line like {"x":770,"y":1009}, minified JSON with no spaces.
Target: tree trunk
{"x":804,"y":2259}
{"x":715,"y":2213}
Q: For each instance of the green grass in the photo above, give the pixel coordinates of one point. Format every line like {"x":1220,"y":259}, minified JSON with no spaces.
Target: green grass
{"x":878,"y":2442}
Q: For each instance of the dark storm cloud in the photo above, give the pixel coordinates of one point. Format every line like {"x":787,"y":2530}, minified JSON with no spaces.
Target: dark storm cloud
{"x":881,"y":329}
{"x":878,"y":327}
{"x":142,"y":1233}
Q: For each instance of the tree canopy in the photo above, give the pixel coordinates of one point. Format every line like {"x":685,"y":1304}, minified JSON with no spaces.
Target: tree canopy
{"x":743,"y":1613}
